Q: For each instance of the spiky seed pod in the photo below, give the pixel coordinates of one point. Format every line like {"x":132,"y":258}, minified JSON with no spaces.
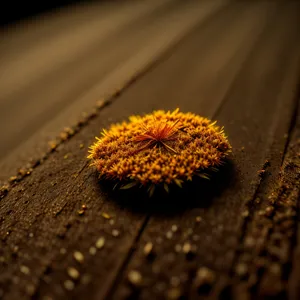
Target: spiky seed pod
{"x":159,"y":149}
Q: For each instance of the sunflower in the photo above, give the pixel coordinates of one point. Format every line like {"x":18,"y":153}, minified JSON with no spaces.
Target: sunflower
{"x":159,"y":149}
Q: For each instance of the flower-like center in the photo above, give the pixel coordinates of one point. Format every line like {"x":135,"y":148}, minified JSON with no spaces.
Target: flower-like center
{"x":159,"y":134}
{"x":159,"y":149}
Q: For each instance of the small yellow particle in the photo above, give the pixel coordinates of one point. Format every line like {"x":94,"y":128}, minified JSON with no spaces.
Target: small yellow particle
{"x":198,"y":219}
{"x":245,"y":214}
{"x":187,"y":247}
{"x":178,"y":248}
{"x":115,"y":232}
{"x":241,"y":269}
{"x":63,"y":251}
{"x":13,"y":178}
{"x":69,"y":285}
{"x":93,"y":250}
{"x":174,"y":228}
{"x":78,"y":256}
{"x":105,"y":215}
{"x":148,"y":248}
{"x":204,"y":276}
{"x":134,"y":277}
{"x":169,"y":235}
{"x":81,"y":212}
{"x":53,"y":145}
{"x":73,"y":273}
{"x":100,"y":243}
{"x":25,"y":270}
{"x":100,"y":103}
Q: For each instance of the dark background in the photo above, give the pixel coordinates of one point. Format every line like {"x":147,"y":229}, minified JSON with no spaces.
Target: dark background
{"x":14,"y":11}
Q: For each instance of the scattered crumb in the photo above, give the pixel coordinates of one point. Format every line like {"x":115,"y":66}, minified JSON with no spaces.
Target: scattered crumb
{"x":69,"y":285}
{"x":13,"y":179}
{"x":25,"y":270}
{"x":78,"y":256}
{"x":245,"y":214}
{"x":30,"y":289}
{"x":198,"y":219}
{"x":250,"y":242}
{"x":115,"y":232}
{"x":93,"y":250}
{"x":241,"y":269}
{"x":204,"y":276}
{"x":22,"y":172}
{"x":3,"y":191}
{"x":174,"y":228}
{"x":52,"y":145}
{"x":148,"y":248}
{"x":269,"y":210}
{"x":178,"y":248}
{"x":135,"y":277}
{"x":100,"y":103}
{"x":81,"y":212}
{"x":186,"y":247}
{"x":105,"y":215}
{"x":63,"y":251}
{"x":73,"y":273}
{"x":100,"y":243}
{"x":169,"y":235}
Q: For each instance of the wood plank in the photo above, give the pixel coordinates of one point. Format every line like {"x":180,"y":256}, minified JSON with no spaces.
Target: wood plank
{"x":54,"y":41}
{"x":291,"y":177}
{"x":144,"y":45}
{"x":68,"y":73}
{"x":39,"y":215}
{"x":44,"y":211}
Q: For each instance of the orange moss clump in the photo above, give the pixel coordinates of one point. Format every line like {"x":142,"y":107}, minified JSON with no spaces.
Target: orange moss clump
{"x":159,"y":149}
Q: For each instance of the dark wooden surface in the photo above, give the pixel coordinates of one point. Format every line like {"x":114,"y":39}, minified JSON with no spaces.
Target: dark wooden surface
{"x":235,"y":237}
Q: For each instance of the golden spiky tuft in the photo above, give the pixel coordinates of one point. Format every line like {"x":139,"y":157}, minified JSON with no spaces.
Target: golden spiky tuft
{"x":159,"y":149}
